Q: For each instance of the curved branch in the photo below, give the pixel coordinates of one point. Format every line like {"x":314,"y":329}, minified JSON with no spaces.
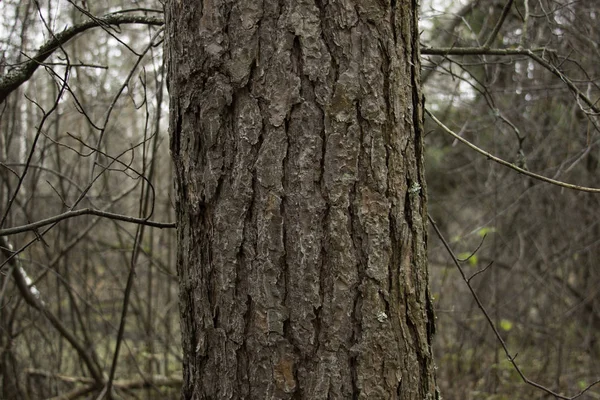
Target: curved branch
{"x":496,"y":29}
{"x":447,"y":35}
{"x":477,"y":51}
{"x":531,"y":53}
{"x":511,"y":358}
{"x":85,"y":211}
{"x":508,"y":164}
{"x":34,"y":302}
{"x":123,"y":384}
{"x":75,"y":393}
{"x":16,"y":78}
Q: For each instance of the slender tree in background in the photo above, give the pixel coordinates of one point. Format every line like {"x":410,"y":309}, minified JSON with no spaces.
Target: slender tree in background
{"x":80,"y":116}
{"x":296,"y":133}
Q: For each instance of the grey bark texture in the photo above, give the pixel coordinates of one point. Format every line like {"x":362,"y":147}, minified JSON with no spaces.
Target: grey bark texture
{"x":296,"y":133}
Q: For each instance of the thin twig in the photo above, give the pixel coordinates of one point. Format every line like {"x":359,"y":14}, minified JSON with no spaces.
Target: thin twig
{"x":531,"y":53}
{"x":508,"y":164}
{"x":496,"y":29}
{"x":509,"y":356}
{"x":86,"y":211}
{"x":34,"y":302}
{"x":14,"y":79}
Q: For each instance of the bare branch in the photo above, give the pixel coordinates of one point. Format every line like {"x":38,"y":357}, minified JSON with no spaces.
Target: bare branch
{"x":159,"y":380}
{"x":509,"y":356}
{"x":33,"y":147}
{"x":494,"y":33}
{"x":75,"y":393}
{"x":508,"y":164}
{"x":85,"y":211}
{"x":447,"y":35}
{"x":532,"y":53}
{"x":34,"y":302}
{"x":478,"y":51}
{"x":126,"y":384}
{"x":14,"y":79}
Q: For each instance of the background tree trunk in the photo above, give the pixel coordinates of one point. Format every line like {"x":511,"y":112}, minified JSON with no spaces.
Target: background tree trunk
{"x":296,"y":132}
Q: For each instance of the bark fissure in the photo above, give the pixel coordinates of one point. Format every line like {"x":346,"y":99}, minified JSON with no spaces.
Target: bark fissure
{"x":301,"y":233}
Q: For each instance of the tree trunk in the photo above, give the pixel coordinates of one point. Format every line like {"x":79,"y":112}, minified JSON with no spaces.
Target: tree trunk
{"x":296,"y":133}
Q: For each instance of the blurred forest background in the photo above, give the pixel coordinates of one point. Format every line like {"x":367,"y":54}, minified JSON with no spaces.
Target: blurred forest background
{"x":84,"y":142}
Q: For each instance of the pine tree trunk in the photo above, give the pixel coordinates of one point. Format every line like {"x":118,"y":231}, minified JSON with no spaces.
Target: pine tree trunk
{"x":296,"y":133}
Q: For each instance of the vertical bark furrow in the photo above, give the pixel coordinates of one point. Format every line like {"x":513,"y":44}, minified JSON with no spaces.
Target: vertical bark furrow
{"x":295,"y":133}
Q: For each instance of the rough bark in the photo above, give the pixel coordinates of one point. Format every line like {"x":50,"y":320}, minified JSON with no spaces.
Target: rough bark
{"x":296,"y":133}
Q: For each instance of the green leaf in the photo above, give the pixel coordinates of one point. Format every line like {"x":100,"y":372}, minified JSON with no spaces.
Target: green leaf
{"x":506,"y":325}
{"x":485,"y":230}
{"x":471,"y":258}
